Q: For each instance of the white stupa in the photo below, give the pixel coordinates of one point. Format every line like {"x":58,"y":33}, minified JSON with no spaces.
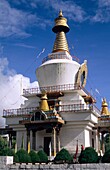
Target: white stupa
{"x":66,"y":113}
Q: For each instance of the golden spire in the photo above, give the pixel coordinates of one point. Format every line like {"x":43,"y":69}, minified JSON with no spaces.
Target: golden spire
{"x":44,"y":104}
{"x":104,"y":110}
{"x":60,"y":29}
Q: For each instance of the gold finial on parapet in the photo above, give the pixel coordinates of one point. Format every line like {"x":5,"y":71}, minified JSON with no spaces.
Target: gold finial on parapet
{"x":44,"y":104}
{"x":104,"y":110}
{"x":60,"y":28}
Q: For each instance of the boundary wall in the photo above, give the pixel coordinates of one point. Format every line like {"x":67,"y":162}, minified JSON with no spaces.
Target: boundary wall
{"x":100,"y":166}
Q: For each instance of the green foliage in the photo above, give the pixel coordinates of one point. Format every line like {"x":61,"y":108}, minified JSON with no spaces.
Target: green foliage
{"x":3,"y":144}
{"x":106,"y":157}
{"x":13,"y":143}
{"x":107,"y":142}
{"x":89,"y":155}
{"x":9,"y":152}
{"x":43,"y":156}
{"x":23,"y":156}
{"x":63,"y":155}
{"x":34,"y":156}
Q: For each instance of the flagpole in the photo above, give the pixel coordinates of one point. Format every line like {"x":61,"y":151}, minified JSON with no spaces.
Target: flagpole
{"x":75,"y":156}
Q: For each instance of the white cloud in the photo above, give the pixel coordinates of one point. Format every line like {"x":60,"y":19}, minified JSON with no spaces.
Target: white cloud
{"x":70,"y":9}
{"x":104,"y":3}
{"x":14,"y":21}
{"x":24,"y":45}
{"x":11,"y":88}
{"x":103,"y":12}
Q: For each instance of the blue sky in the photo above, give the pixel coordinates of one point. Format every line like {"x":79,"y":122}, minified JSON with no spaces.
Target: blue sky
{"x":26,"y":30}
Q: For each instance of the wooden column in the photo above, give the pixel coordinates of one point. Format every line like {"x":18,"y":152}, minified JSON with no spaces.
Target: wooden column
{"x":103,"y":145}
{"x":54,"y":141}
{"x":31,"y":139}
{"x":28,"y":140}
{"x":10,"y":140}
{"x":34,"y":140}
{"x":58,"y":143}
{"x":99,"y":143}
{"x":57,"y":140}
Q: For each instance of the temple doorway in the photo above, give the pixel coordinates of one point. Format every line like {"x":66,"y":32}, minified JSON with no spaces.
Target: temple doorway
{"x":47,"y":147}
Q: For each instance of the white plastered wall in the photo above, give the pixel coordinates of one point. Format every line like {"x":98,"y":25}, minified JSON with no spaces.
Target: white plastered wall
{"x":71,"y":98}
{"x":32,"y":101}
{"x":21,"y":136}
{"x":87,"y":138}
{"x":69,"y":137}
{"x":57,"y":72}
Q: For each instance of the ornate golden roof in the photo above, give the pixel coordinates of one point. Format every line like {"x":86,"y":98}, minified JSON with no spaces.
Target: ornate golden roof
{"x":60,"y":28}
{"x":104,"y":110}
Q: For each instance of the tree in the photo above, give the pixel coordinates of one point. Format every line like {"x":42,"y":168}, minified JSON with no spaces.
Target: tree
{"x":23,"y":156}
{"x":89,"y":155}
{"x":34,"y":156}
{"x":63,"y":156}
{"x":10,"y":152}
{"x":107,"y":142}
{"x":106,"y":157}
{"x":3,"y":144}
{"x":43,"y":156}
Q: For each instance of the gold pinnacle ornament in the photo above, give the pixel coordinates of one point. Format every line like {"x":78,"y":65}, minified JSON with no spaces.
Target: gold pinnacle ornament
{"x":60,"y":28}
{"x":44,"y":104}
{"x":104,"y":110}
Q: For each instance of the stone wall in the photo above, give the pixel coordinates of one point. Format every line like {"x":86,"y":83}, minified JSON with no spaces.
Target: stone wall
{"x":99,"y":166}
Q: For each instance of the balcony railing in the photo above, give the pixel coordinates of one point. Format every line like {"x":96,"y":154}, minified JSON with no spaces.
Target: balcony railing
{"x":64,"y":87}
{"x":62,"y":108}
{"x":51,"y":89}
{"x":79,"y":107}
{"x":55,"y":56}
{"x":104,"y":121}
{"x":59,"y":56}
{"x":18,"y":112}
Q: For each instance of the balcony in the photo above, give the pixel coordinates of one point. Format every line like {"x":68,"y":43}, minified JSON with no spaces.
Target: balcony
{"x":62,"y":108}
{"x":59,"y":56}
{"x":104,"y":121}
{"x":55,"y":56}
{"x":18,"y":112}
{"x":58,"y":88}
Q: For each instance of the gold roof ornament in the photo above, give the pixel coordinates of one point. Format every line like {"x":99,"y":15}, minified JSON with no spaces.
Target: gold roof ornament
{"x":44,"y":104}
{"x":60,"y":28}
{"x":104,"y":110}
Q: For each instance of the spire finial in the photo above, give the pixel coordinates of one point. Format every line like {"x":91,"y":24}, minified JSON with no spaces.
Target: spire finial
{"x":60,"y":28}
{"x":60,"y":13}
{"x":104,"y":110}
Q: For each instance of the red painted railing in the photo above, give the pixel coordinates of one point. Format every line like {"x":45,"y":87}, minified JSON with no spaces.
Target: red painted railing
{"x":55,"y":56}
{"x":51,"y":89}
{"x":59,"y":56}
{"x":62,"y":108}
{"x":18,"y":112}
{"x":57,"y":88}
